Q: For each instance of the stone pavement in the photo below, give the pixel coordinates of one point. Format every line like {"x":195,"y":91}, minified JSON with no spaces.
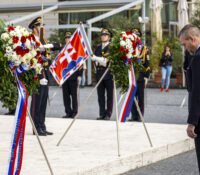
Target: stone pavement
{"x":91,"y":147}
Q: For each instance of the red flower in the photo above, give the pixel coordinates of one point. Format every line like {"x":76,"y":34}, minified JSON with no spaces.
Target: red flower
{"x":15,"y":39}
{"x":121,"y":49}
{"x":31,"y":63}
{"x":133,"y":44}
{"x":134,"y":52}
{"x":37,"y":44}
{"x":36,"y":78}
{"x":126,"y":50}
{"x":124,"y":38}
{"x":23,"y":52}
{"x":124,"y":58}
{"x":18,"y":50}
{"x":23,"y":39}
{"x":39,"y":60}
{"x":27,"y":50}
{"x":38,"y":53}
{"x":33,"y":37}
{"x":136,"y":59}
{"x":128,"y":33}
{"x":29,"y":37}
{"x":129,"y":61}
{"x":10,"y":28}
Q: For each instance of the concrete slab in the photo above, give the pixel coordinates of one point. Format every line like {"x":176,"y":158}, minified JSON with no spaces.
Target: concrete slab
{"x":90,"y":147}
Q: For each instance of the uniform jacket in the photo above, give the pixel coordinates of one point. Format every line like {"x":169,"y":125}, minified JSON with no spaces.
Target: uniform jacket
{"x":47,"y":63}
{"x":193,"y":75}
{"x":101,"y":69}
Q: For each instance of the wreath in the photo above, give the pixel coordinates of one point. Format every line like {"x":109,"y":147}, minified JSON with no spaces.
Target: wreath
{"x":20,"y":52}
{"x":125,"y":49}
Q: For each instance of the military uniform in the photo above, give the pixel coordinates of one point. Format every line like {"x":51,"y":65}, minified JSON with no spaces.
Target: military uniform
{"x":105,"y":111}
{"x":70,"y":88}
{"x":144,"y":57}
{"x":39,"y":100}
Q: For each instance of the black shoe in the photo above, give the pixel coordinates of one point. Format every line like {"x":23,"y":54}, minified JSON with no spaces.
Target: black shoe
{"x":48,"y":133}
{"x":67,"y":116}
{"x":134,"y":119}
{"x":101,"y":118}
{"x":40,"y":133}
{"x":73,"y":115}
{"x":107,"y":117}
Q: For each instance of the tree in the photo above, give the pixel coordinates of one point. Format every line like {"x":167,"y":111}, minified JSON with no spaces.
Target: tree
{"x":195,"y":19}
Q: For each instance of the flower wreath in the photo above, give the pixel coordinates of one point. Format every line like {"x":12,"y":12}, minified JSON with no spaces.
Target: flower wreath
{"x":20,"y":51}
{"x":125,"y":49}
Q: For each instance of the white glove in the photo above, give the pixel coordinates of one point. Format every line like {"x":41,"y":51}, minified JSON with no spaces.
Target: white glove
{"x":48,"y":46}
{"x":145,"y":81}
{"x":100,"y":60}
{"x":79,"y":80}
{"x":43,"y":81}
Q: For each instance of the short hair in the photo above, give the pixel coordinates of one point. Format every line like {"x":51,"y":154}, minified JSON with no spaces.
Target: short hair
{"x":189,"y":29}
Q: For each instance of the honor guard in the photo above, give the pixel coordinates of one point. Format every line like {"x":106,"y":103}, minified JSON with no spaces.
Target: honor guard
{"x":39,"y":99}
{"x":144,"y":57}
{"x":101,"y":52}
{"x":69,"y":88}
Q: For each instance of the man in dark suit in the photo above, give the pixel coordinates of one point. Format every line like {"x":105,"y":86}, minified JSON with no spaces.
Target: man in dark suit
{"x":189,"y":37}
{"x":101,"y":52}
{"x":39,"y":100}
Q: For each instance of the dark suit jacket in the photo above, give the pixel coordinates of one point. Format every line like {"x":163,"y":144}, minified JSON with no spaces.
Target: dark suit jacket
{"x":193,"y":75}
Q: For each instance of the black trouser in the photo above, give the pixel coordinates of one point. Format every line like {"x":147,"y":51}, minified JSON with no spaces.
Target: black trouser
{"x":70,"y":94}
{"x":140,"y":98}
{"x":108,"y":86}
{"x":38,"y":107}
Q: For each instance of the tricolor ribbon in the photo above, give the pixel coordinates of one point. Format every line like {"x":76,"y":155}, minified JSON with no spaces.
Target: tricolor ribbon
{"x":17,"y":142}
{"x":128,"y":102}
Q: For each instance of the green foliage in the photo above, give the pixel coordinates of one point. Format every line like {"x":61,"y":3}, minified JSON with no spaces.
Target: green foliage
{"x":119,"y":22}
{"x":195,"y":19}
{"x":118,"y":67}
{"x":159,"y":48}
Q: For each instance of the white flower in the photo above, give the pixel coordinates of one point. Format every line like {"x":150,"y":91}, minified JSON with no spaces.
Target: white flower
{"x":8,"y":49}
{"x":129,"y":55}
{"x":5,"y":36}
{"x":122,"y":43}
{"x":34,"y":60}
{"x":38,"y":68}
{"x":17,"y":62}
{"x":14,"y":57}
{"x":28,"y":44}
{"x":33,"y":53}
{"x":10,"y":41}
{"x":12,"y":33}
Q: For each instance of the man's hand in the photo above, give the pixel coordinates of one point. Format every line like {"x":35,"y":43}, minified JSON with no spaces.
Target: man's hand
{"x":190,"y":131}
{"x":43,"y":81}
